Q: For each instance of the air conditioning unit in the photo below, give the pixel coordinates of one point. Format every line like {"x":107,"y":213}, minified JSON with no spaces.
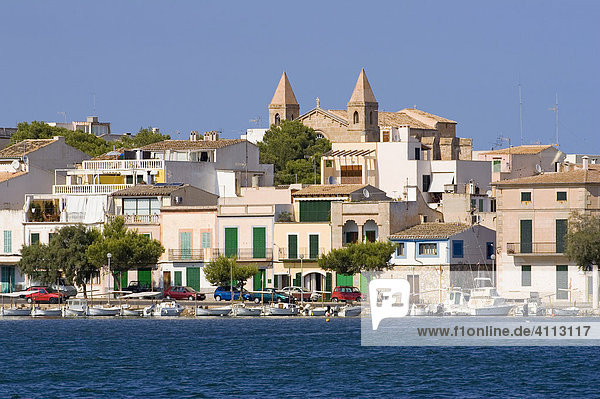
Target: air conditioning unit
{"x":178,"y":200}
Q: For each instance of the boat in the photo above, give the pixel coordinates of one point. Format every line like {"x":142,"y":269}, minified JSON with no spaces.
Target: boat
{"x":320,"y":311}
{"x":13,"y":310}
{"x":127,"y":310}
{"x":418,"y":310}
{"x":163,"y":309}
{"x":75,"y":307}
{"x":532,"y":306}
{"x":98,"y":311}
{"x":283,"y":309}
{"x":246,"y":311}
{"x":455,"y":303}
{"x":39,"y":312}
{"x":349,"y":311}
{"x":485,"y":300}
{"x":220,"y":311}
{"x":571,"y":311}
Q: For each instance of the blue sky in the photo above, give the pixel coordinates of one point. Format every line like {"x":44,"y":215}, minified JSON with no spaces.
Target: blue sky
{"x":200,"y":65}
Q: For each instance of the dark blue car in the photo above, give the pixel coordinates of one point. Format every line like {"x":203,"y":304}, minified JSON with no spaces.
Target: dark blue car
{"x":224,"y":294}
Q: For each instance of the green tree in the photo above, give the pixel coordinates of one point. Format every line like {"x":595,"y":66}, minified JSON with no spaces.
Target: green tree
{"x":295,"y":151}
{"x":146,"y":136}
{"x":219,"y":271}
{"x":39,"y":263}
{"x":129,"y":249}
{"x":582,"y":241}
{"x":359,"y":257}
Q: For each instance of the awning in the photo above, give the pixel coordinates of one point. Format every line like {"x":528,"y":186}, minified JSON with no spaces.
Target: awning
{"x":439,"y":180}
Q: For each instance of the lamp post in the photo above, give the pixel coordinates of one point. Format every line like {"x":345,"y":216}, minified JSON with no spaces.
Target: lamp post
{"x":301,"y":281}
{"x":108,"y":256}
{"x":493,"y":258}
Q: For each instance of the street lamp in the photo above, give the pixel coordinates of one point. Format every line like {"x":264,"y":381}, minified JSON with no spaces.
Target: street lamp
{"x":493,"y":258}
{"x":301,"y":281}
{"x":108,"y":256}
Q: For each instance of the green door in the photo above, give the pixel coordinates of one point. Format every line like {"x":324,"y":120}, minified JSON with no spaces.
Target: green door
{"x":7,"y":279}
{"x":178,"y":278}
{"x":344,"y":279}
{"x":185,"y":245}
{"x":259,"y":280}
{"x":328,"y":280}
{"x":231,"y":241}
{"x":122,"y":276}
{"x":562,"y":282}
{"x":193,"y":277}
{"x":364,"y":283}
{"x":297,"y":280}
{"x":292,"y":247}
{"x":259,"y":242}
{"x":526,"y":237}
{"x":145,"y":277}
{"x":313,"y":242}
{"x":561,"y":231}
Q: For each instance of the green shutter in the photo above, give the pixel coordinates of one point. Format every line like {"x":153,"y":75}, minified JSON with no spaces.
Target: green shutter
{"x":7,"y":279}
{"x":145,"y":277}
{"x":364,"y":284}
{"x":328,"y":287}
{"x":526,"y":275}
{"x":205,"y":240}
{"x":35,"y":238}
{"x":259,"y":242}
{"x":193,"y":277}
{"x":561,"y":231}
{"x":297,"y":280}
{"x":562,"y":282}
{"x":344,"y":280}
{"x":7,"y":241}
{"x":185,"y":245}
{"x":178,"y":278}
{"x":259,"y":280}
{"x":526,"y":237}
{"x":231,"y":241}
{"x":292,"y":247}
{"x":313,"y":242}
{"x":123,"y":278}
{"x":315,"y":211}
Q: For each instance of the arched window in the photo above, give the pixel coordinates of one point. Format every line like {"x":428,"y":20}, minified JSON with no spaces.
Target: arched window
{"x":277,"y":119}
{"x":371,"y":117}
{"x":355,"y":119}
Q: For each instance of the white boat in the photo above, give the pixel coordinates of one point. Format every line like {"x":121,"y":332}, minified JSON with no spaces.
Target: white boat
{"x":75,"y":307}
{"x":244,"y":311}
{"x":418,"y":310}
{"x":571,"y":311}
{"x":163,"y":309}
{"x":283,"y":309}
{"x":39,"y":312}
{"x":14,"y":312}
{"x":127,"y":310}
{"x":220,"y":311}
{"x":485,"y":301}
{"x":455,"y":303}
{"x":97,"y":311}
{"x":349,"y":311}
{"x":320,"y":311}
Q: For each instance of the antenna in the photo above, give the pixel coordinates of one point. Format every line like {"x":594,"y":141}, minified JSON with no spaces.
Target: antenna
{"x":258,"y":120}
{"x":63,"y":113}
{"x":555,"y":109}
{"x":94,"y":106}
{"x":520,"y":112}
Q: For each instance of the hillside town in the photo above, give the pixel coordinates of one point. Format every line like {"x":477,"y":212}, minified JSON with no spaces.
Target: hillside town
{"x":406,"y":177}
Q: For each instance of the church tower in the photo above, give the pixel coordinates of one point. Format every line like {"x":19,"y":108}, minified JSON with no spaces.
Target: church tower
{"x":284,"y":104}
{"x":362,"y":111}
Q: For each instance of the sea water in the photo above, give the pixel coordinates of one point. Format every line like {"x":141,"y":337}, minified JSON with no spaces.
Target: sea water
{"x":267,"y":357}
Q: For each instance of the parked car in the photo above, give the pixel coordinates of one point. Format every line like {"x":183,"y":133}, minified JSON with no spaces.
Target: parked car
{"x":180,"y":292}
{"x":298,"y":293}
{"x":68,"y":290}
{"x":271,"y":295}
{"x":224,"y":294}
{"x":44,"y":294}
{"x":346,"y":293}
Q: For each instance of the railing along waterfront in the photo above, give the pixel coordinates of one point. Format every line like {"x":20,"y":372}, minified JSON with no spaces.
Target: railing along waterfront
{"x":533,"y":248}
{"x":124,"y":164}
{"x":88,"y":188}
{"x":136,"y":219}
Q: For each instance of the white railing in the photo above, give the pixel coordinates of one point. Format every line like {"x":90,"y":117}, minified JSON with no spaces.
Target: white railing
{"x":136,"y":219}
{"x":124,"y":164}
{"x":88,"y":188}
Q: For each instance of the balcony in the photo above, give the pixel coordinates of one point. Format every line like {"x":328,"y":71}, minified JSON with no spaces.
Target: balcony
{"x":136,"y":219}
{"x":88,"y":188}
{"x":246,"y":254}
{"x":285,"y":254}
{"x":351,"y":180}
{"x":534,"y":248}
{"x":189,"y":255}
{"x":123,"y":164}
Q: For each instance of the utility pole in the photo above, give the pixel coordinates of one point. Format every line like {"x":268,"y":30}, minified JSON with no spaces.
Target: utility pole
{"x":521,"y":113}
{"x":555,"y":109}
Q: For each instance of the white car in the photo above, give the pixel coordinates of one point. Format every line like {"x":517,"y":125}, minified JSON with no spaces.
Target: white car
{"x":306,"y":294}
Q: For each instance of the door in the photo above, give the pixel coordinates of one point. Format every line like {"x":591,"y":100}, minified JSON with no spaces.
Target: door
{"x":145,"y":277}
{"x":313,"y":243}
{"x":413,"y":281}
{"x":193,"y":278}
{"x":344,"y":280}
{"x":259,"y":281}
{"x":7,"y":279}
{"x":562,"y":282}
{"x":122,"y":278}
{"x":292,"y":247}
{"x":328,"y":287}
{"x":185,"y":245}
{"x":166,"y":280}
{"x":231,"y":241}
{"x":178,"y":278}
{"x":259,"y":242}
{"x":526,"y":237}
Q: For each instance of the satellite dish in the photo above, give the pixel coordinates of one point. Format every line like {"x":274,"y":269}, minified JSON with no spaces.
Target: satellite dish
{"x":538,"y":168}
{"x":488,"y":193}
{"x":15,"y":165}
{"x":366,"y":193}
{"x":331,"y":180}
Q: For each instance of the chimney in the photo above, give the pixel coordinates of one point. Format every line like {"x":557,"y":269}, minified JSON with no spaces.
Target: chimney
{"x":585,"y":162}
{"x":92,"y":119}
{"x":194,"y":135}
{"x":155,"y":130}
{"x":211,"y":136}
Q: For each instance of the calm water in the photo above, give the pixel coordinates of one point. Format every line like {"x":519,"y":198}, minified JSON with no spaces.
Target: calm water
{"x":187,"y":358}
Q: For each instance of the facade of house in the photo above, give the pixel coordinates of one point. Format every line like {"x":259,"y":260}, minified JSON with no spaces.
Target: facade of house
{"x":533,"y":215}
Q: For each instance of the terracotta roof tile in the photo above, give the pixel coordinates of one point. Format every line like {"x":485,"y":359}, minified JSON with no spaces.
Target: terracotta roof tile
{"x":521,"y":150}
{"x":577,"y":176}
{"x":148,"y":190}
{"x":329,"y":189}
{"x":431,"y":230}
{"x":191,"y":145}
{"x":396,"y":119}
{"x":418,"y":112}
{"x":24,"y":147}
{"x":4,"y":176}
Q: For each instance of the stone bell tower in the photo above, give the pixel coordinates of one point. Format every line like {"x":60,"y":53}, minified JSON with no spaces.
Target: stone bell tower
{"x":284,"y":104}
{"x":362,"y":111}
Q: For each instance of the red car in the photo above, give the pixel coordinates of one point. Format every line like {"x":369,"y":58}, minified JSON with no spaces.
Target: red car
{"x":45,"y":294}
{"x":179,"y":292}
{"x":346,"y":293}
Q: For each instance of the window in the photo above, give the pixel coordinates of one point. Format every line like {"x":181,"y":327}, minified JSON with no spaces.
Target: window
{"x":526,"y":196}
{"x":481,"y":207}
{"x":205,"y":240}
{"x":371,"y":118}
{"x":129,"y":179}
{"x":526,"y":276}
{"x":371,"y":235}
{"x":203,"y":156}
{"x":7,"y":241}
{"x":496,"y":166}
{"x":147,"y":235}
{"x":315,"y":211}
{"x":351,"y":174}
{"x":428,"y":249}
{"x":493,"y":205}
{"x":355,"y":118}
{"x":259,"y":242}
{"x":185,"y":245}
{"x":292,"y":246}
{"x":562,"y":282}
{"x":277,"y":119}
{"x":489,"y":250}
{"x":457,"y":248}
{"x":473,"y":204}
{"x":426,"y":182}
{"x":313,"y":246}
{"x":34,"y":238}
{"x":561,"y":195}
{"x":561,"y":231}
{"x":50,"y":235}
{"x":400,"y":250}
{"x":231,"y":241}
{"x":417,"y":154}
{"x":526,"y":237}
{"x":328,"y":163}
{"x":141,"y":206}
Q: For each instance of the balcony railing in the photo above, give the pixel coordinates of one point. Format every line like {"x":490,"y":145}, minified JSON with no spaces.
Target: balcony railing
{"x":124,"y":164}
{"x":136,"y":219}
{"x":186,"y":255}
{"x":534,"y":248}
{"x":351,"y":179}
{"x":286,"y":254}
{"x":245,"y":254}
{"x":88,"y":188}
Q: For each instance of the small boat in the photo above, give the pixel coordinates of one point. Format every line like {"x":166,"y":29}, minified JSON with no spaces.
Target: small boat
{"x":349,"y":311}
{"x":98,"y":311}
{"x":220,"y":311}
{"x":39,"y":312}
{"x":163,"y":309}
{"x":128,"y":311}
{"x":485,"y":301}
{"x":455,"y":303}
{"x":320,"y":311}
{"x":418,"y":310}
{"x":246,"y":311}
{"x":75,"y":307}
{"x":15,"y":312}
{"x":571,"y":311}
{"x":283,"y":309}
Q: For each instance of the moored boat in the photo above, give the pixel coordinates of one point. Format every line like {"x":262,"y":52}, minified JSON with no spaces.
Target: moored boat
{"x":571,"y":311}
{"x":320,"y":311}
{"x":15,"y":312}
{"x":349,"y":311}
{"x":75,"y":307}
{"x":245,"y":311}
{"x":98,"y":311}
{"x":283,"y":309}
{"x":39,"y":312}
{"x":219,"y":312}
{"x":164,"y":309}
{"x":485,"y":301}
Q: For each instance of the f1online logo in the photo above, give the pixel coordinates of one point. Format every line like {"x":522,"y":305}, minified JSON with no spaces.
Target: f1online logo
{"x":389,"y":298}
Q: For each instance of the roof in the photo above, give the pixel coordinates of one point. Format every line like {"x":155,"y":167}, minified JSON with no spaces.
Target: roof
{"x":416,"y":113}
{"x":284,"y":93}
{"x":147,"y":189}
{"x":329,"y":189}
{"x":362,"y":91}
{"x":521,"y":150}
{"x":396,"y":119}
{"x":348,"y":153}
{"x":431,"y":230}
{"x":111,"y":155}
{"x":190,"y":145}
{"x":4,"y":176}
{"x":24,"y":147}
{"x":577,"y":176}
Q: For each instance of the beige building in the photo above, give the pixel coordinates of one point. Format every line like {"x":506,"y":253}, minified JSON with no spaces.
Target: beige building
{"x":533,"y":215}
